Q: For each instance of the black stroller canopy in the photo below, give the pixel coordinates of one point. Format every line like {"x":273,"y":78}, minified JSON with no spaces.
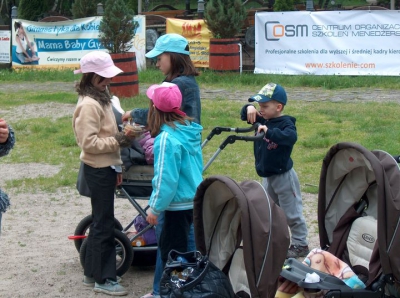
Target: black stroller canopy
{"x":228,"y":215}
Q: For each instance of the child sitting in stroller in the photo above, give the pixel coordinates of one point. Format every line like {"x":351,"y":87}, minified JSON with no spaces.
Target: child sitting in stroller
{"x":141,"y":150}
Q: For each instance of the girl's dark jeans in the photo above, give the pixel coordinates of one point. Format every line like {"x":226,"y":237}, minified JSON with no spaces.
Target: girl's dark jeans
{"x":100,"y":262}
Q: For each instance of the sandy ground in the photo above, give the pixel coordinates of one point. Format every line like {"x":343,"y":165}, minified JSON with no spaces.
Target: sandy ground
{"x":37,"y":259}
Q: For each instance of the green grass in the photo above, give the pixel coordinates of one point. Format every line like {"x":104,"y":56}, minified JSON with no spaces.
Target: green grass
{"x":320,"y":125}
{"x":217,"y":80}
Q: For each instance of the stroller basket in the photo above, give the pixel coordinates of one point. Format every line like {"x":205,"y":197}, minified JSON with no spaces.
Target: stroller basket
{"x":137,"y":182}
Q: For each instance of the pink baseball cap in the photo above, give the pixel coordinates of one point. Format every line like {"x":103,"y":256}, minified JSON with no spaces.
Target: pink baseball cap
{"x":166,"y":97}
{"x":100,"y":63}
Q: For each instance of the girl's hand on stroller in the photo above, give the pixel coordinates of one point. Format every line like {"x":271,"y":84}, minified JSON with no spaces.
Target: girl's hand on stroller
{"x":119,"y":178}
{"x":151,"y":218}
{"x":252,"y":114}
{"x":262,"y":127}
{"x":126,"y":116}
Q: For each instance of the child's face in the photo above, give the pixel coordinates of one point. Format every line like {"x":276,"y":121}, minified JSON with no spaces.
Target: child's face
{"x":164,"y":63}
{"x":270,"y":109}
{"x":100,"y":83}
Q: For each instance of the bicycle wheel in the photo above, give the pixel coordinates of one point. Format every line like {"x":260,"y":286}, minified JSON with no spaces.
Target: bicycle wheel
{"x":83,"y":229}
{"x":123,"y":249}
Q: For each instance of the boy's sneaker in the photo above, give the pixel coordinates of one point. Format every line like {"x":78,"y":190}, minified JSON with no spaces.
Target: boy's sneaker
{"x":297,"y":251}
{"x":150,"y":295}
{"x":110,"y":287}
{"x":89,"y":281}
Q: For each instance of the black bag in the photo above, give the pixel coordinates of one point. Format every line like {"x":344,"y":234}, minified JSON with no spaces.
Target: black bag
{"x":192,"y":275}
{"x":81,"y":184}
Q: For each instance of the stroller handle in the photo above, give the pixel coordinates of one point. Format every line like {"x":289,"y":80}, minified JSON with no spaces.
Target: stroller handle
{"x":233,"y":138}
{"x":218,"y":130}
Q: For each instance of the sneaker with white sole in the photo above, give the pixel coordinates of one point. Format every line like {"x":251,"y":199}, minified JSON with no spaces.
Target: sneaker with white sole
{"x":150,"y":295}
{"x":89,"y":281}
{"x":110,"y":287}
{"x":297,"y":251}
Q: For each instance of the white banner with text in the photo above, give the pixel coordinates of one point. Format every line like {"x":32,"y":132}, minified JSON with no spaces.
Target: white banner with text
{"x":5,"y":42}
{"x":357,"y":42}
{"x":62,"y":44}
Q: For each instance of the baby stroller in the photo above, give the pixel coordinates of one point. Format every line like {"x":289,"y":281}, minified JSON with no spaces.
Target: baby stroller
{"x":243,"y":232}
{"x":137,"y":185}
{"x":358,"y":221}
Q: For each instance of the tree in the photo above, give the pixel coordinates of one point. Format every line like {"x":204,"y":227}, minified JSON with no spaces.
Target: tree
{"x":225,"y":18}
{"x":132,"y":4}
{"x":62,"y":7}
{"x":283,"y":5}
{"x":34,"y":10}
{"x":84,"y":8}
{"x":117,"y":27}
{"x":5,"y":11}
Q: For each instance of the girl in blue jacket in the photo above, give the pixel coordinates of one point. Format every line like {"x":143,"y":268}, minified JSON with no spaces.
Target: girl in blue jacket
{"x":178,"y":166}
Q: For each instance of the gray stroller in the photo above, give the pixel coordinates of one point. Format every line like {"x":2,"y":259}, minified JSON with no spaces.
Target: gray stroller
{"x":358,"y":221}
{"x":243,"y":232}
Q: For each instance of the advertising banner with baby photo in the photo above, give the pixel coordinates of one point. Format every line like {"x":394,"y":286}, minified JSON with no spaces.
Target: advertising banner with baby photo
{"x":62,"y":44}
{"x":353,"y":42}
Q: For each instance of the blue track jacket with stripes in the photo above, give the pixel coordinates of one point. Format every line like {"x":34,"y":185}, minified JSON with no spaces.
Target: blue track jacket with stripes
{"x":178,"y":166}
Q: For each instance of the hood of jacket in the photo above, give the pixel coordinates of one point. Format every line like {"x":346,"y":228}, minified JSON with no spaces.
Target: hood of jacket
{"x":187,"y":135}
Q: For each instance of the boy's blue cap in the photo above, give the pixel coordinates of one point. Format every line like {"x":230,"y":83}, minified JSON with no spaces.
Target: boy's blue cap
{"x":171,"y":42}
{"x":269,"y":92}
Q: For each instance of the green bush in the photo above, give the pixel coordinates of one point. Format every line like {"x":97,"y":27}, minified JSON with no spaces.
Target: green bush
{"x":84,"y":8}
{"x":117,"y":27}
{"x":225,"y":18}
{"x":33,"y":10}
{"x":284,"y":5}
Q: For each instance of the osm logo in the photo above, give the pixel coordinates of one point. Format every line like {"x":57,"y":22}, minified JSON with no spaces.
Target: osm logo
{"x":275,"y":31}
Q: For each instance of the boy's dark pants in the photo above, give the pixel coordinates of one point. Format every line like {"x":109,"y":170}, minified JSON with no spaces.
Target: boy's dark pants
{"x":100,"y":261}
{"x":175,"y":232}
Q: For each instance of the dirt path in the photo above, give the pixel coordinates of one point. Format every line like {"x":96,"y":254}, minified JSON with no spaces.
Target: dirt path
{"x":308,"y":94}
{"x":37,"y":259}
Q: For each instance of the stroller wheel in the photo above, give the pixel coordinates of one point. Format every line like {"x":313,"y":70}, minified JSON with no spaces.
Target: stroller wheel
{"x":83,"y":229}
{"x":123,"y":249}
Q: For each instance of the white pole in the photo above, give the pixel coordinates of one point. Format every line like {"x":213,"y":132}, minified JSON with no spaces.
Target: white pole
{"x":240,"y":55}
{"x":139,"y":6}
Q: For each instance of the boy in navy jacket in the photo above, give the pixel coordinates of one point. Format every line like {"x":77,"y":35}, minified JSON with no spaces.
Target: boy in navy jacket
{"x":273,"y":162}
